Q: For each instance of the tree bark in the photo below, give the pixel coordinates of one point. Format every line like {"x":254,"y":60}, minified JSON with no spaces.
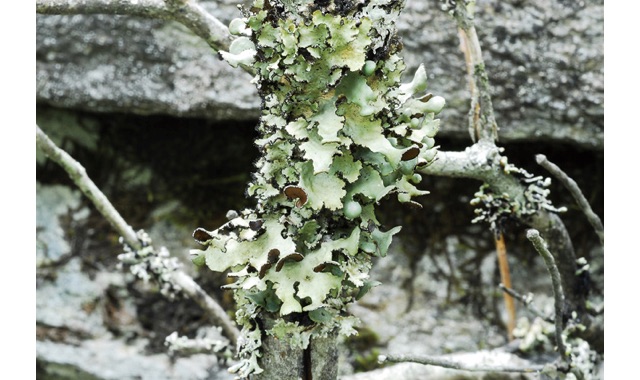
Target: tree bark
{"x":280,"y":361}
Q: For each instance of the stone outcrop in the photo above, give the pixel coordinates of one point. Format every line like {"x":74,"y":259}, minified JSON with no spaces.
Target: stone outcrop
{"x":545,"y":60}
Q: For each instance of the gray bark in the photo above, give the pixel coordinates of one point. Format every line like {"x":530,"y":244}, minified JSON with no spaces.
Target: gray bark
{"x":545,"y":61}
{"x":281,"y":361}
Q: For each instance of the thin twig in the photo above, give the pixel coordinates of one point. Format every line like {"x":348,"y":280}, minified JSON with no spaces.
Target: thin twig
{"x":459,"y":365}
{"x":526,"y":301}
{"x":184,"y":282}
{"x":217,"y":314}
{"x":482,"y":121}
{"x":505,"y":275}
{"x":558,"y":294}
{"x":186,"y":12}
{"x":79,"y":176}
{"x":575,"y":191}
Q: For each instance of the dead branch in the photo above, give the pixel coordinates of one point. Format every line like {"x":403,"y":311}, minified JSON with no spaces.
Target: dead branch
{"x":178,"y":278}
{"x":575,"y":191}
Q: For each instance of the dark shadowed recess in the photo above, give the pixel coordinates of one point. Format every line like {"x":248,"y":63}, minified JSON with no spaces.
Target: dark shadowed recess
{"x":446,"y":212}
{"x":142,"y":162}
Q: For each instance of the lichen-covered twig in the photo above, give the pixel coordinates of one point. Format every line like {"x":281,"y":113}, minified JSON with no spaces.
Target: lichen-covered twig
{"x":79,"y":176}
{"x":526,"y":301}
{"x":558,"y":293}
{"x":575,"y":191}
{"x":187,"y":12}
{"x":459,"y":365}
{"x":202,"y":344}
{"x":482,"y":121}
{"x":177,"y":278}
{"x":479,"y":161}
{"x":483,"y":161}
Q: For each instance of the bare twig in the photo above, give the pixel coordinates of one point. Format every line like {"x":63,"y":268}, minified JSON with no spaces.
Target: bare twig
{"x":187,"y":12}
{"x":459,"y":365}
{"x":182,"y":281}
{"x":505,"y":275}
{"x":526,"y":301}
{"x":558,"y":294}
{"x":573,"y":188}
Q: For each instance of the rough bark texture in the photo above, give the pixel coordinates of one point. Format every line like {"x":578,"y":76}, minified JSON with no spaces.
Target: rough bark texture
{"x":545,"y":60}
{"x":324,"y":357}
{"x":280,"y":361}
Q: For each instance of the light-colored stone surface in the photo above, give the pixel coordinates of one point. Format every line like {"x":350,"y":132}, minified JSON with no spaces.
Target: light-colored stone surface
{"x":112,"y":359}
{"x":52,"y":203}
{"x":545,"y":60}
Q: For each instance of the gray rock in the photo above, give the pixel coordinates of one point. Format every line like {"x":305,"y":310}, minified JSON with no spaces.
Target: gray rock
{"x":116,"y":360}
{"x":122,"y":64}
{"x":52,"y":203}
{"x":414,"y":371}
{"x":545,"y":60}
{"x":71,"y":300}
{"x":87,"y":322}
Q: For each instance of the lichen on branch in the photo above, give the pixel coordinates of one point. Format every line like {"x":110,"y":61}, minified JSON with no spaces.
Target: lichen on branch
{"x":338,"y":133}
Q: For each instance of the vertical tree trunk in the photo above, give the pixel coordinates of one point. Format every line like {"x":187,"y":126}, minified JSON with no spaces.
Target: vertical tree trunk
{"x":338,"y":133}
{"x":280,"y":361}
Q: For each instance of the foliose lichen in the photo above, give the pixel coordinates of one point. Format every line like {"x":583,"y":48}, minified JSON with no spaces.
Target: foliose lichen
{"x":338,"y":133}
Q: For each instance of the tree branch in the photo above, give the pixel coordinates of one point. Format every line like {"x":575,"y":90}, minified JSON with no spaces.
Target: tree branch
{"x":551,"y":227}
{"x":187,"y":12}
{"x":558,"y":294}
{"x":574,"y":189}
{"x":526,"y":301}
{"x":482,"y":161}
{"x":178,"y":278}
{"x":482,"y":120}
{"x":79,"y":176}
{"x":217,"y":314}
{"x":459,"y":365}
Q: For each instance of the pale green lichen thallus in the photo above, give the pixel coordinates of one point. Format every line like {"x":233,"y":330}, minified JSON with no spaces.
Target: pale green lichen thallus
{"x":338,"y":133}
